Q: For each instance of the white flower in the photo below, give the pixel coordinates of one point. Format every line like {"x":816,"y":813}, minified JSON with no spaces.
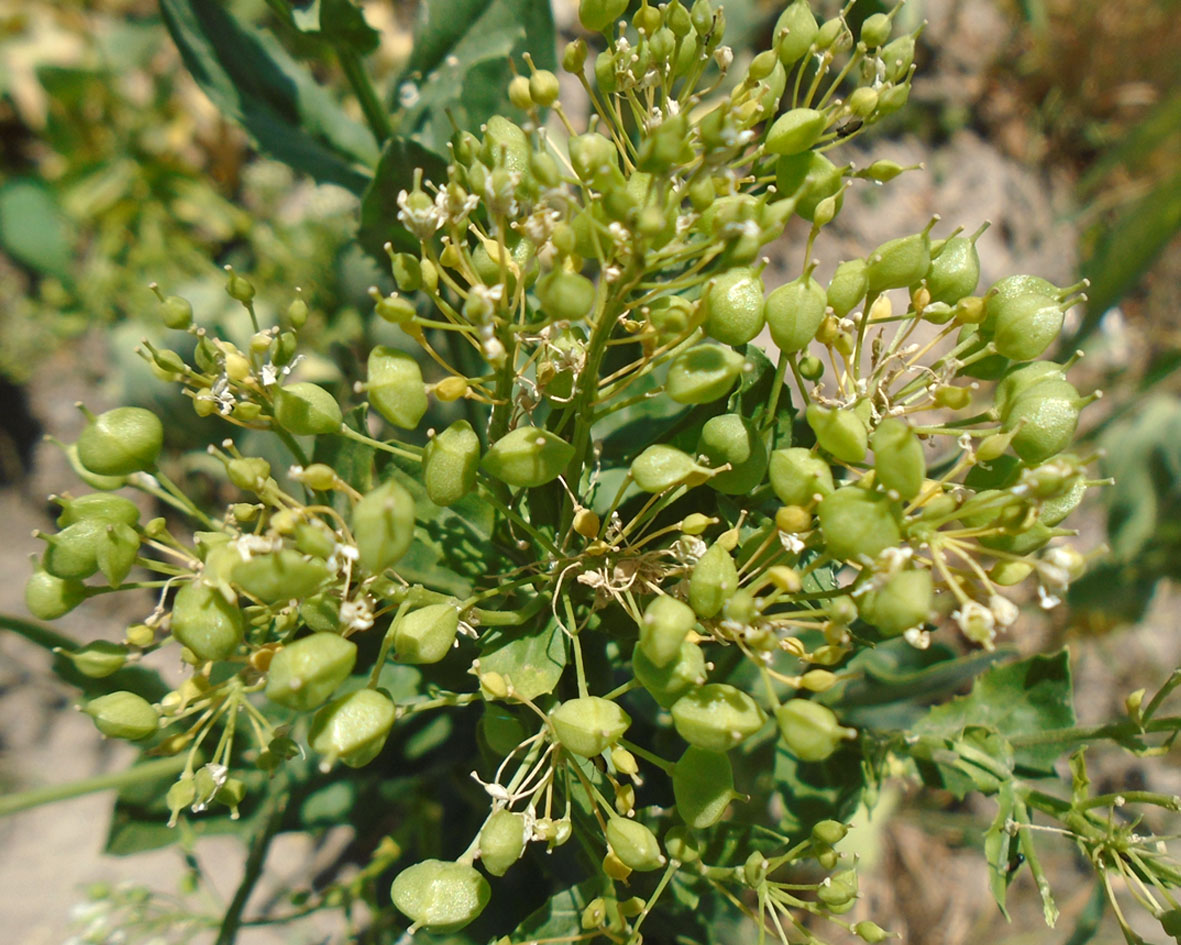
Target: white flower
{"x":917,"y":637}
{"x":1004,"y":610}
{"x":422,"y":221}
{"x":357,"y":614}
{"x":977,"y":623}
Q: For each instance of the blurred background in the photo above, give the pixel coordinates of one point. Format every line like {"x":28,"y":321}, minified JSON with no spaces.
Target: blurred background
{"x":1057,"y":120}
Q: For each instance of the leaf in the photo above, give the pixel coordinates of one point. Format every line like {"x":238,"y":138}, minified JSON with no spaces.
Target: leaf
{"x":817,"y":790}
{"x":560,"y":919}
{"x":997,"y":841}
{"x":753,"y":398}
{"x":339,"y":22}
{"x":253,"y":80}
{"x":379,"y":204}
{"x":1021,"y":698}
{"x":351,"y":459}
{"x":532,"y":659}
{"x":32,"y":228}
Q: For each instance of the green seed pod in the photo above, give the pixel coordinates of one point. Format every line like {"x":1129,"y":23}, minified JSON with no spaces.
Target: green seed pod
{"x":395,"y":387}
{"x":713,"y":580}
{"x":667,"y":621}
{"x":839,"y":431}
{"x":506,"y":146}
{"x":176,"y":313}
{"x":600,"y":16}
{"x":502,"y":841}
{"x":307,"y":409}
{"x":518,"y":93}
{"x":1043,"y":420}
{"x":898,"y":57}
{"x":527,"y":457}
{"x":734,"y":306}
{"x":871,"y":932}
{"x":810,"y":730}
{"x":543,"y":87}
{"x":829,"y":832}
{"x":449,"y":463}
{"x":795,"y":131}
{"x":903,"y":602}
{"x":425,"y":635}
{"x":849,"y":284}
{"x":121,"y":441}
{"x":249,"y":473}
{"x":857,"y":524}
{"x":1021,"y":379}
{"x":898,"y":457}
{"x":116,"y":551}
{"x":900,"y":263}
{"x":595,"y":160}
{"x":703,"y":373}
{"x":305,"y":673}
{"x":396,"y":310}
{"x":73,"y":552}
{"x":811,"y":368}
{"x":123,"y":715}
{"x":666,"y":684}
{"x":662,"y":467}
{"x":97,"y":506}
{"x":875,"y":30}
{"x":682,"y":846}
{"x":440,"y":896}
{"x":588,"y":726}
{"x":48,"y":597}
{"x":574,"y":56}
{"x":798,"y":474}
{"x":566,"y":296}
{"x":717,"y":717}
{"x":383,"y":526}
{"x":634,"y":844}
{"x":1009,"y":288}
{"x":794,"y":313}
{"x":1054,"y":510}
{"x":206,"y":623}
{"x":703,"y":786}
{"x":97,"y":659}
{"x":352,"y":728}
{"x":955,"y":271}
{"x":731,"y":438}
{"x":407,"y":271}
{"x":1025,"y":326}
{"x":1023,"y":542}
{"x":810,"y":177}
{"x":795,"y":30}
{"x":279,"y":576}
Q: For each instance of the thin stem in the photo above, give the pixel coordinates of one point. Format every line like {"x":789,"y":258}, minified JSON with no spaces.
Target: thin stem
{"x":375,"y":113}
{"x":259,"y":847}
{"x":149,"y":771}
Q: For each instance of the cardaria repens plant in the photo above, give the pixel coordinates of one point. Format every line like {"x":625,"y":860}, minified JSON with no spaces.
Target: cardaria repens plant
{"x":667,"y":550}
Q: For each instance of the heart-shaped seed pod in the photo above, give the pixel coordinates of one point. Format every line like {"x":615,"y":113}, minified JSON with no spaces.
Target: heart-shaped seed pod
{"x":717,"y":717}
{"x":666,"y":684}
{"x":121,"y":441}
{"x":565,"y":296}
{"x":206,"y":623}
{"x":440,"y":896}
{"x":307,"y":409}
{"x":383,"y":526}
{"x":394,"y":387}
{"x":847,"y":289}
{"x":955,"y":270}
{"x":713,"y":579}
{"x":839,"y":431}
{"x":703,"y":373}
{"x":527,"y":457}
{"x":1043,"y":420}
{"x":732,"y":439}
{"x":703,"y":786}
{"x":794,"y":313}
{"x":662,"y":467}
{"x":304,"y":674}
{"x":48,"y":597}
{"x":97,"y":659}
{"x":666,"y":623}
{"x":635,"y":845}
{"x":425,"y":635}
{"x":352,"y":728}
{"x":899,"y":263}
{"x":794,"y":33}
{"x":810,"y":178}
{"x":810,"y":730}
{"x":502,"y":841}
{"x":857,"y":524}
{"x":903,"y":602}
{"x":116,"y":551}
{"x":450,"y":463}
{"x":734,"y":306}
{"x":1027,"y":325}
{"x":798,"y":475}
{"x":279,"y":576}
{"x":795,"y":131}
{"x":898,"y":457}
{"x":97,"y":506}
{"x":123,"y":715}
{"x":589,"y":725}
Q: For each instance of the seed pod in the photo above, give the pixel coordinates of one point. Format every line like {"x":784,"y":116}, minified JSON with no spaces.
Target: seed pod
{"x":666,"y":684}
{"x":900,"y":263}
{"x":731,"y":438}
{"x":713,"y":580}
{"x":124,"y":715}
{"x":1009,"y":288}
{"x":440,"y":896}
{"x":280,"y":576}
{"x":506,"y":146}
{"x":717,"y":717}
{"x":595,"y":160}
{"x":809,"y":177}
{"x":703,"y":373}
{"x":904,"y":601}
{"x":1043,"y":420}
{"x":121,"y":441}
{"x":307,"y":409}
{"x":1052,"y":511}
{"x":875,"y":30}
{"x":847,"y":289}
{"x":1025,"y":326}
{"x":898,"y":457}
{"x":662,"y":467}
{"x":634,"y":844}
{"x":206,"y":623}
{"x":588,"y":726}
{"x":1021,"y":379}
{"x":394,"y":387}
{"x":73,"y":552}
{"x":449,"y":463}
{"x":794,"y":313}
{"x":839,"y":431}
{"x":955,"y":271}
{"x":810,"y":730}
{"x":871,"y":932}
{"x":48,"y":597}
{"x":116,"y":551}
{"x":527,"y":457}
{"x":565,"y":296}
{"x":795,"y":131}
{"x":839,"y":890}
{"x":502,"y":841}
{"x":383,"y":526}
{"x":734,"y":306}
{"x":858,"y":524}
{"x":600,"y":16}
{"x":305,"y":673}
{"x":798,"y":474}
{"x":352,"y":728}
{"x":667,"y":621}
{"x":794,"y":32}
{"x":898,"y":57}
{"x":703,"y":786}
{"x":97,"y":659}
{"x":98,"y":506}
{"x":425,"y":635}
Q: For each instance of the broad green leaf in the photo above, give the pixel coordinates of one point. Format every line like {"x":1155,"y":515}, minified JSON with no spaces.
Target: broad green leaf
{"x":32,"y":228}
{"x":560,"y":918}
{"x":817,"y":790}
{"x":532,"y":659}
{"x":379,"y":204}
{"x":253,"y":80}
{"x":353,"y":461}
{"x":339,"y":22}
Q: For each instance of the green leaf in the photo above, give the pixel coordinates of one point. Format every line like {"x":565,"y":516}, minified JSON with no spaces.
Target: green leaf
{"x":560,"y":918}
{"x":532,"y":659}
{"x":1021,"y":698}
{"x":339,"y":22}
{"x":379,"y":204}
{"x":817,"y":790}
{"x":32,"y":228}
{"x":753,"y":398}
{"x":254,"y":81}
{"x":997,"y":841}
{"x":352,"y":460}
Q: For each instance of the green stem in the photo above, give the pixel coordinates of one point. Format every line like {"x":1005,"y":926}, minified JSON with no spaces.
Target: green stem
{"x":259,"y":847}
{"x":375,"y":113}
{"x":1087,"y":733}
{"x":43,"y":636}
{"x":149,"y":771}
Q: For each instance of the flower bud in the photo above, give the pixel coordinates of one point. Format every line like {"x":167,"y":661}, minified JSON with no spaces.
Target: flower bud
{"x":304,"y":674}
{"x":589,"y":725}
{"x":716,"y":717}
{"x":440,"y":896}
